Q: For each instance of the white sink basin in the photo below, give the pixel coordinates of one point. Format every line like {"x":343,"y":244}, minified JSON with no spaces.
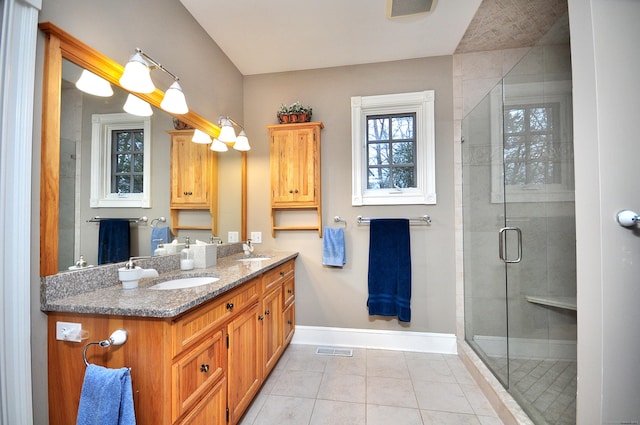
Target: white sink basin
{"x":187,"y":282}
{"x":254,"y":258}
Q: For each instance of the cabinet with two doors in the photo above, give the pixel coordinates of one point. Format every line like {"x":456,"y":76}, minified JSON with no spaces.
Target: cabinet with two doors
{"x":203,"y":367}
{"x":295,"y":174}
{"x":194,"y":180}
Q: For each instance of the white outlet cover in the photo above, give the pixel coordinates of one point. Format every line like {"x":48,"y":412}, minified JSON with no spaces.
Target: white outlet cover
{"x":256,"y":237}
{"x":66,"y":331}
{"x":232,"y":237}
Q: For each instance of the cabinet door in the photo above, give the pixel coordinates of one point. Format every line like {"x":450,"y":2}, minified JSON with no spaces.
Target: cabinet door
{"x":294,"y":154}
{"x":272,"y":329}
{"x":243,"y":361}
{"x":190,"y":172}
{"x":289,"y":323}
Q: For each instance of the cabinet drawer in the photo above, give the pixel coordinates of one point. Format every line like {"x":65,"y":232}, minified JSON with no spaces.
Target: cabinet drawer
{"x":195,"y":373}
{"x":211,"y":410}
{"x":277,"y":275}
{"x":289,"y":291}
{"x":189,"y":328}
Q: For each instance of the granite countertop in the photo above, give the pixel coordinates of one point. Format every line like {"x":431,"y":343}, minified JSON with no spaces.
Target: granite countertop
{"x":145,"y":302}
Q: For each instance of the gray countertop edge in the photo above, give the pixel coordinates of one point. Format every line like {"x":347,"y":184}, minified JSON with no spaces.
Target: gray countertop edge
{"x":145,"y":302}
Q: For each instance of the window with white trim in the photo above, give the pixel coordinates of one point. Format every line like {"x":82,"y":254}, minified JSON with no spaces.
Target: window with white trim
{"x":393,"y":149}
{"x":532,"y":130}
{"x":120,"y":161}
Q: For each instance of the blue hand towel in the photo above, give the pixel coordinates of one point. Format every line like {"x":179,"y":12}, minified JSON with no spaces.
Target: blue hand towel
{"x":333,"y":250}
{"x":390,"y":269}
{"x":113,"y":241}
{"x":163,"y":233}
{"x":106,"y":397}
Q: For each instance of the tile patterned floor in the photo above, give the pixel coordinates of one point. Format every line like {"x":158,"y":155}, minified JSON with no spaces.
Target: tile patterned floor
{"x":373,"y":387}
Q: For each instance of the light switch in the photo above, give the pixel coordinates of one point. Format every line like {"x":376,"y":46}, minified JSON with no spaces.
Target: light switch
{"x":256,"y":237}
{"x":232,"y":237}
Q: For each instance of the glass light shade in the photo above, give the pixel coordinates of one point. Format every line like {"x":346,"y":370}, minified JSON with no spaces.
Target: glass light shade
{"x":92,"y":84}
{"x":218,"y":146}
{"x":174,"y":101}
{"x":242,"y":142}
{"x":136,"y":106}
{"x":137,"y":75}
{"x":227,"y":133}
{"x":201,"y":137}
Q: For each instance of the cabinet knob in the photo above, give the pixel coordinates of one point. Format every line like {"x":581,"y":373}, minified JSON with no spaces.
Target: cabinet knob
{"x":295,"y":191}
{"x":267,"y":312}
{"x":204,"y":368}
{"x":229,"y":306}
{"x":289,"y":291}
{"x":289,"y":322}
{"x":281,"y":273}
{"x":290,"y":191}
{"x":187,"y":193}
{"x":260,"y":318}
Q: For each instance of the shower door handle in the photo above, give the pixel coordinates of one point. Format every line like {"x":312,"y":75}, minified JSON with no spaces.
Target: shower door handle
{"x":502,"y":236}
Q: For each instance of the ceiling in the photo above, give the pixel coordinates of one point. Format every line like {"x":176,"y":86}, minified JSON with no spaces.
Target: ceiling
{"x":288,"y":35}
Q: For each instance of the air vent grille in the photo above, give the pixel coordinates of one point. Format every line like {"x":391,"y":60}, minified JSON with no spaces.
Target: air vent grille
{"x":400,"y":8}
{"x":331,"y":351}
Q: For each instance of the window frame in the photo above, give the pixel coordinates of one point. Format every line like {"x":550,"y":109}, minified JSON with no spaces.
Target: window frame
{"x":538,"y":93}
{"x":420,"y":103}
{"x":102,"y":126}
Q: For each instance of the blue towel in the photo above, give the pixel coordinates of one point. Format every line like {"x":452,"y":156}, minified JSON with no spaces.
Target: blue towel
{"x":163,"y":233}
{"x":390,"y":269}
{"x":106,"y":397}
{"x":333,"y":251}
{"x":113,"y":241}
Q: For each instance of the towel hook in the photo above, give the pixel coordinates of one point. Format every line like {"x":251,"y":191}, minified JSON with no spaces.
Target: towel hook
{"x":118,"y":337}
{"x":339,"y":219}
{"x":161,"y":219}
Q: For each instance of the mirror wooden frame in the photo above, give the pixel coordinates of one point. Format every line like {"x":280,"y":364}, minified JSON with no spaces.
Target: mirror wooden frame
{"x":59,"y":45}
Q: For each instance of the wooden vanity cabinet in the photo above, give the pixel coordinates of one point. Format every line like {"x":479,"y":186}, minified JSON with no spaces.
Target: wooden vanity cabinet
{"x":194,"y":182}
{"x":203,"y":367}
{"x":295,"y":172}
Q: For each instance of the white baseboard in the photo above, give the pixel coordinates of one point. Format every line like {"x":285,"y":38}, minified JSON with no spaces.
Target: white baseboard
{"x":524,"y":348}
{"x":425,"y":342}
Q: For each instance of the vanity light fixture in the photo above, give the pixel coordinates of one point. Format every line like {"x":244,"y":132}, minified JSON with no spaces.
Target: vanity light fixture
{"x":93,"y":84}
{"x":218,"y":146}
{"x":228,"y":134}
{"x":136,"y":106}
{"x":137,"y":78}
{"x":201,"y":137}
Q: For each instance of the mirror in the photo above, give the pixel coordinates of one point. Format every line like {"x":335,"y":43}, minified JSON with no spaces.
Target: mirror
{"x":66,"y":165}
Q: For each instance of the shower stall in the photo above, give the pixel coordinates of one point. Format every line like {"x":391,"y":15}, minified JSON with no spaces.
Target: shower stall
{"x":519,"y":234}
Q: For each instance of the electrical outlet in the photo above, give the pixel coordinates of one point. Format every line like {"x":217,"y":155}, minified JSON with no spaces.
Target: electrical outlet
{"x":232,"y":237}
{"x":256,"y":237}
{"x":66,"y":331}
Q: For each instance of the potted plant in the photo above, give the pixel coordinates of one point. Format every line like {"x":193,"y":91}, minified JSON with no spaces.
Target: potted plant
{"x":296,"y":112}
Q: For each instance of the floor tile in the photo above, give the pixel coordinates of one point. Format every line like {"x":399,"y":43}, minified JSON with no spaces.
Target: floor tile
{"x":298,"y":383}
{"x":285,"y":411}
{"x":390,"y":392}
{"x":338,"y":387}
{"x":385,"y":415}
{"x":441,"y":396}
{"x":329,"y":412}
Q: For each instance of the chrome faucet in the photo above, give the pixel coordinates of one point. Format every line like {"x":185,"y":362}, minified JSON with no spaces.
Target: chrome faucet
{"x":131,"y":264}
{"x":247,"y":247}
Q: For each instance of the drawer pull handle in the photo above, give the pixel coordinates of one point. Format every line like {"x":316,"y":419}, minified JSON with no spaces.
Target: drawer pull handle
{"x":204,"y":368}
{"x":289,"y":291}
{"x":281,"y":273}
{"x":267,"y":312}
{"x":260,"y":318}
{"x":229,"y":306}
{"x":289,"y":322}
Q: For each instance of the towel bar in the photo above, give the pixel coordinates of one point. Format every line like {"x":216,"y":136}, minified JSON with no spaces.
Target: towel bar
{"x":424,"y":218}
{"x":118,"y":337}
{"x":98,"y":219}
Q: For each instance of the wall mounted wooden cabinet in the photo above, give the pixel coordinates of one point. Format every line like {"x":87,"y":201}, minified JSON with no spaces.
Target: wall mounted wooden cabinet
{"x":194,"y":179}
{"x":295,"y":172}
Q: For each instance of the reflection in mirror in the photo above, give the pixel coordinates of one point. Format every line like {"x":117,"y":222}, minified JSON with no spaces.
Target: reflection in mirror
{"x":80,"y":237}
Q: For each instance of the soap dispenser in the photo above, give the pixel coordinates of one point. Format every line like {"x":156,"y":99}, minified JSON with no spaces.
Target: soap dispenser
{"x":160,"y":250}
{"x":186,"y":256}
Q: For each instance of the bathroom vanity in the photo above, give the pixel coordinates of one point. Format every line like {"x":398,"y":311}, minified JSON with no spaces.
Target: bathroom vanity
{"x":197,"y":355}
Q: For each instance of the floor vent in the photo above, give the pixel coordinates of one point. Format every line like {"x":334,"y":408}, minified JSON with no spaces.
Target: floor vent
{"x":330,"y":351}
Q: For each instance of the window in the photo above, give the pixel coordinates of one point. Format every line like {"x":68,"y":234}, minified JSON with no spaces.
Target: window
{"x":393,"y":149}
{"x":537,"y":155}
{"x":120,"y":161}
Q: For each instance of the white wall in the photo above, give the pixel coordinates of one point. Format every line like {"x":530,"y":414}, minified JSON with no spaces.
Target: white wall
{"x":604,"y":45}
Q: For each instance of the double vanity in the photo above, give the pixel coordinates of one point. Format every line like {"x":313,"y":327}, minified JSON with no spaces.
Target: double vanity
{"x":198,"y":354}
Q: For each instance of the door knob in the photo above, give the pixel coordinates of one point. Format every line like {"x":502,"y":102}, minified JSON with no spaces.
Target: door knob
{"x":627,"y":218}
